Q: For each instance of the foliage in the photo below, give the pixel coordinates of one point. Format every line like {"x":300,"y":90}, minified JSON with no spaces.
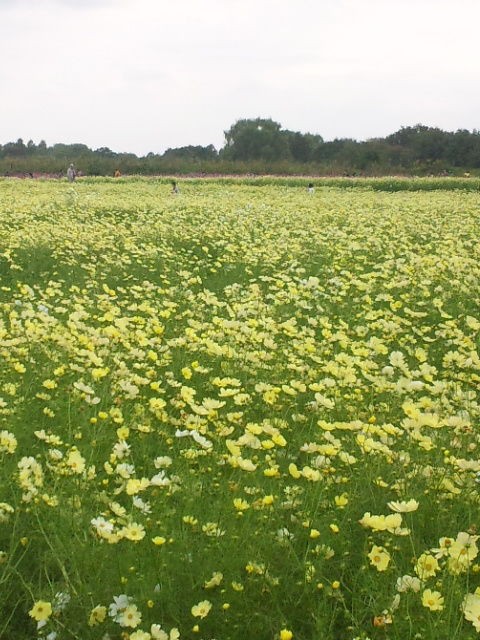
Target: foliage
{"x":256,"y":139}
{"x":261,"y":146}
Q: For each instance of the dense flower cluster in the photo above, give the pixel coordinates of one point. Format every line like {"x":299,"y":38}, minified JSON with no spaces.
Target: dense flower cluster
{"x":246,"y":410}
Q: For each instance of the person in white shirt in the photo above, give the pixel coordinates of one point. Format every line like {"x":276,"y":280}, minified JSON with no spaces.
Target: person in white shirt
{"x":71,"y":173}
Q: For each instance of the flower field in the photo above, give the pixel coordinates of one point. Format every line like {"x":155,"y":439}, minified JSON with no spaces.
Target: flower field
{"x":238,"y":412}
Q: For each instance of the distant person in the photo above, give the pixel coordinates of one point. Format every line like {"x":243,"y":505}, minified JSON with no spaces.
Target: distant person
{"x":175,"y":188}
{"x":310,"y":188}
{"x":71,"y":173}
{"x":117,"y":174}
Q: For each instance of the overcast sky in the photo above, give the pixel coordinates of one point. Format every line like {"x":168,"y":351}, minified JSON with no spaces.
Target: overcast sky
{"x":145,"y":75}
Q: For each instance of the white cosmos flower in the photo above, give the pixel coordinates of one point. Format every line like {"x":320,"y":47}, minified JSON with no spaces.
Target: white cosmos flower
{"x":408,"y":583}
{"x":160,"y":480}
{"x":119,"y":603}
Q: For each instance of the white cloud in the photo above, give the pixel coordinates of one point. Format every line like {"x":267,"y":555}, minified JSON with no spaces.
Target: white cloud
{"x":144,"y":75}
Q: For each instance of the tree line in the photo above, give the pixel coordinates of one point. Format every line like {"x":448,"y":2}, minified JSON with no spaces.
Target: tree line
{"x":262,"y":146}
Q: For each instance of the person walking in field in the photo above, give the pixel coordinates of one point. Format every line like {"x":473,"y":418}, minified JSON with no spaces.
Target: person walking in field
{"x":71,"y":173}
{"x":175,"y":188}
{"x":311,"y":188}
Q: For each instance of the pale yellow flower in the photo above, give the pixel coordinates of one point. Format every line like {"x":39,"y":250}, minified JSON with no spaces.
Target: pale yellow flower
{"x":341,"y":501}
{"x":404,"y":506}
{"x":426,"y":566}
{"x":379,"y":558}
{"x":75,"y":461}
{"x":130,"y":616}
{"x":41,"y":610}
{"x":391,"y":523}
{"x":140,"y":635}
{"x":471,"y":609}
{"x":8,"y":442}
{"x":202,"y":609}
{"x":240,"y":504}
{"x":214,"y":581}
{"x":97,"y":615}
{"x":433,"y":600}
{"x":133,"y":531}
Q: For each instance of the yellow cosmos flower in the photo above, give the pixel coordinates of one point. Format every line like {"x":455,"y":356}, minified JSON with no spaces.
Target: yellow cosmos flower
{"x":135,"y":485}
{"x":271,"y":395}
{"x":140,"y":635}
{"x":41,"y":610}
{"x":403,"y":507}
{"x":240,"y":504}
{"x":130,"y":616}
{"x":100,"y":372}
{"x":75,"y":461}
{"x":255,"y":568}
{"x":341,"y":501}
{"x":279,"y":440}
{"x":426,"y":567}
{"x":244,"y":463}
{"x":389,"y":523}
{"x":97,"y":615}
{"x":313,"y":475}
{"x":379,"y":558}
{"x":433,"y":600}
{"x":133,"y":531}
{"x":464,"y":549}
{"x":272,"y":472}
{"x":123,"y":433}
{"x":202,"y":609}
{"x":471,"y":609}
{"x":8,"y":442}
{"x":293,"y":471}
{"x":214,"y":581}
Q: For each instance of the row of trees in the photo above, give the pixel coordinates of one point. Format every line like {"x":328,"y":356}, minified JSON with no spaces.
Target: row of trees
{"x":263,"y":146}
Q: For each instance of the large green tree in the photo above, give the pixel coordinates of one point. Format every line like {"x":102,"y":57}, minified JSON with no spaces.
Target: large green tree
{"x":258,"y":139}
